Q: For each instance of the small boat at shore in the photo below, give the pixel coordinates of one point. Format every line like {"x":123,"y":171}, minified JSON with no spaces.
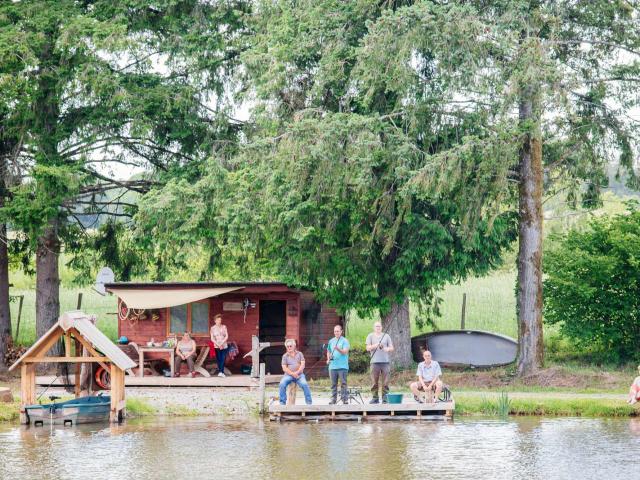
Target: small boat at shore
{"x":472,"y":348}
{"x":71,"y":412}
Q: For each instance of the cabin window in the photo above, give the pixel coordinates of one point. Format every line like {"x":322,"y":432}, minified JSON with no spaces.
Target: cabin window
{"x":200,"y":317}
{"x":192,"y":318}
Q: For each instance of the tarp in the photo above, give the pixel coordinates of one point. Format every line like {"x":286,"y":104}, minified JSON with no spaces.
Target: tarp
{"x":166,"y":297}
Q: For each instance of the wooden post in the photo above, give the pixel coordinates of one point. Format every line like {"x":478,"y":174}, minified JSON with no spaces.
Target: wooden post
{"x":67,"y":344}
{"x":79,"y":304}
{"x":464,"y":311}
{"x":21,"y":297}
{"x":27,"y":388}
{"x":261,"y":390}
{"x":255,"y":358}
{"x":117,"y":394}
{"x":78,"y":352}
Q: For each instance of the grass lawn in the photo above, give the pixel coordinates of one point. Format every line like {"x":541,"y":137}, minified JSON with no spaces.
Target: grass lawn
{"x":491,"y":306}
{"x":104,"y":307}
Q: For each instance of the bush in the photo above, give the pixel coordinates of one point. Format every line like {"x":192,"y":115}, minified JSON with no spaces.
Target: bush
{"x":359,"y":360}
{"x":592,"y":288}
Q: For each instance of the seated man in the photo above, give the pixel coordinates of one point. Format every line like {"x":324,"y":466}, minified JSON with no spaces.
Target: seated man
{"x":428,"y":373}
{"x":634,"y":391}
{"x":293,"y":366}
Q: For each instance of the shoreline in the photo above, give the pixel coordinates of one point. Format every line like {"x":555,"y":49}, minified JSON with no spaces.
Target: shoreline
{"x":243,"y":403}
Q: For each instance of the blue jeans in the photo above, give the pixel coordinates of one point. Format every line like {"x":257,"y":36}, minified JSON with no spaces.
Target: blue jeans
{"x":301,"y":381}
{"x":221,"y":356}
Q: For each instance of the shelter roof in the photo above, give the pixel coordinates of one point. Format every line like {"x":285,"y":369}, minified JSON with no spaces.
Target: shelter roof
{"x":83,"y":323}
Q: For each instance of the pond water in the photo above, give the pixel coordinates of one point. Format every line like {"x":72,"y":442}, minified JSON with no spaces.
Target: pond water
{"x":202,"y":448}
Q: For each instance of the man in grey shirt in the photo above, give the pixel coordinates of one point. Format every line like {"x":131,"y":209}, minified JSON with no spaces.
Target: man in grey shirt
{"x":379,"y":346}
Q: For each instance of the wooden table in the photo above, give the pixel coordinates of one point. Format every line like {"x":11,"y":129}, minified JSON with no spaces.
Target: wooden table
{"x":168,"y":350}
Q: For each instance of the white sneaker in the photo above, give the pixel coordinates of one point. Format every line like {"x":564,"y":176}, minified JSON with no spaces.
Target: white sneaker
{"x":221,"y":374}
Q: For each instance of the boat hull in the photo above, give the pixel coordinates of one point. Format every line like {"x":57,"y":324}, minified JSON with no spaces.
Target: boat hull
{"x":473,"y":348}
{"x":71,"y":412}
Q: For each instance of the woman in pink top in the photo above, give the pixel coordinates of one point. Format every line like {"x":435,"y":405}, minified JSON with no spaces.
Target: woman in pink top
{"x":219,"y":337}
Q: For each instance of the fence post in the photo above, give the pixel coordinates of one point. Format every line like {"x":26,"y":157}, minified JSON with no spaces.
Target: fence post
{"x":79,"y":304}
{"x":261,"y":390}
{"x":464,"y":310}
{"x":21,"y":297}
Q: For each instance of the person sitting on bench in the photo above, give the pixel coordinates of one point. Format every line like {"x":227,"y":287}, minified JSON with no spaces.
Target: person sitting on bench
{"x":429,"y":374}
{"x":293,"y":367}
{"x":185,"y":351}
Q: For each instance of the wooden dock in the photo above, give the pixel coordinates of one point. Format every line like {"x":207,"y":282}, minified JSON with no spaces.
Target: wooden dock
{"x":366,"y":412}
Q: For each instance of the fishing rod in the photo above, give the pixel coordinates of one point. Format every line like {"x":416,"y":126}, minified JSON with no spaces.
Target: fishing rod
{"x":385,"y":332}
{"x":334,"y":348}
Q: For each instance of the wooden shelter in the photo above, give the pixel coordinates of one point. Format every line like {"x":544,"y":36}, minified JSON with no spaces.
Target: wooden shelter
{"x":270,"y":311}
{"x":84,"y":343}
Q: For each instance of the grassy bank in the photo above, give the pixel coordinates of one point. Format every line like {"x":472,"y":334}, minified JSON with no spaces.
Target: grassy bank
{"x":9,"y":412}
{"x":501,"y":405}
{"x":553,"y":379}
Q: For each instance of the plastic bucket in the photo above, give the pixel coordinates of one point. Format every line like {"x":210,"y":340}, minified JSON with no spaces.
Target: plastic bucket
{"x":394,"y":397}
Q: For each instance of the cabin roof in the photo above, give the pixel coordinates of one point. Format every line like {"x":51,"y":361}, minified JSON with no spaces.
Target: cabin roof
{"x":83,"y":324}
{"x":168,"y":285}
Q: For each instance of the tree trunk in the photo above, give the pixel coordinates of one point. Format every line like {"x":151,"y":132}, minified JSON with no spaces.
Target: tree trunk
{"x":529,"y":296}
{"x":396,"y":323}
{"x":5,"y":311}
{"x":47,"y":282}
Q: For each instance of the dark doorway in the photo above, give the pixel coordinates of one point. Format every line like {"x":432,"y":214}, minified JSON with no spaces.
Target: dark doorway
{"x":273,"y":328}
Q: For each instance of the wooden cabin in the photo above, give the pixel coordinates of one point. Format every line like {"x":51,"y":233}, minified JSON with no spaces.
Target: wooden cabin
{"x":271,"y":310}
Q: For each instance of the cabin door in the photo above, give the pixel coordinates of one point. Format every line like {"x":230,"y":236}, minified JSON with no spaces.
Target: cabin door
{"x":273,"y":328}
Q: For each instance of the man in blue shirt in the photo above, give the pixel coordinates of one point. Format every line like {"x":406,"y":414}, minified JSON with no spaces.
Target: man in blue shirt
{"x":338,"y":360}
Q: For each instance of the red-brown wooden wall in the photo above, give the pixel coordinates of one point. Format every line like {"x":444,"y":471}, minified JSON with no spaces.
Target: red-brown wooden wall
{"x":299,"y":305}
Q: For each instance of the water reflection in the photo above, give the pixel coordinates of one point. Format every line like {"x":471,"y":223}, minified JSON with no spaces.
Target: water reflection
{"x":528,"y":448}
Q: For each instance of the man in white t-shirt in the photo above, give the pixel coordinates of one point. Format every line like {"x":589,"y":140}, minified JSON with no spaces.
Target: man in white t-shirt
{"x":429,"y":374}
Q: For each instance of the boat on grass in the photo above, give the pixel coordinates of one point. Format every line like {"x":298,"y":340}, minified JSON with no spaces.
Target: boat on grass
{"x":470,"y":348}
{"x":71,"y":412}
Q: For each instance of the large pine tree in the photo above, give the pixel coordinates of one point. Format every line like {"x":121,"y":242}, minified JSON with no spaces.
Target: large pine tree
{"x":110,"y":83}
{"x":552,"y":85}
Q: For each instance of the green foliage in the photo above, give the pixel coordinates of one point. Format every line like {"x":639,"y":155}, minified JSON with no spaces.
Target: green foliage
{"x":592,"y":289}
{"x":359,"y":360}
{"x":85,"y":98}
{"x":138,"y":407}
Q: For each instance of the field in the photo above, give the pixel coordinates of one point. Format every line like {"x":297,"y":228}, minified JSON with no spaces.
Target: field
{"x":491,"y":306}
{"x":92,"y":302}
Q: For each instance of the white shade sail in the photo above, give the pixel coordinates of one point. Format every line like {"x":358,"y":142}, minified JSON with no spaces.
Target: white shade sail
{"x":166,"y":297}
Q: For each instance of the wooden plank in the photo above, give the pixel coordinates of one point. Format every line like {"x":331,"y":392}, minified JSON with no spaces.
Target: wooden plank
{"x":79,"y":338}
{"x":67,"y":344}
{"x":77,"y":353}
{"x":66,"y":359}
{"x":400,"y":407}
{"x":47,"y":342}
{"x":236,"y":381}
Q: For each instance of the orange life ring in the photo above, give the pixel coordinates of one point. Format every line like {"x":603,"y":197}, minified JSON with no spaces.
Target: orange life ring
{"x":103,"y":378}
